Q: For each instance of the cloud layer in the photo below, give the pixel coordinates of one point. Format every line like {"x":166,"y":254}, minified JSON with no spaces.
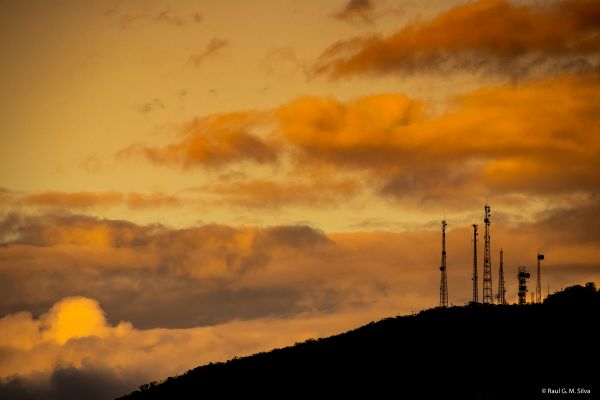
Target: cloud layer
{"x":526,"y":139}
{"x":86,"y":200}
{"x":237,"y":290}
{"x":491,"y":34}
{"x":71,"y":351}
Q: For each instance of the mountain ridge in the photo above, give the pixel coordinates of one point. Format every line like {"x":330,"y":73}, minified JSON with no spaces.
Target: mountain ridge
{"x":475,"y":351}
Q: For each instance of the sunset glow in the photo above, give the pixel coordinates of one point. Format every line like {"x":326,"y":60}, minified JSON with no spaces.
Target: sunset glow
{"x":184,"y":182}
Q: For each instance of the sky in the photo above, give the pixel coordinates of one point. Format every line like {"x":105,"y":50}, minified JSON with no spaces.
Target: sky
{"x":182,"y":182}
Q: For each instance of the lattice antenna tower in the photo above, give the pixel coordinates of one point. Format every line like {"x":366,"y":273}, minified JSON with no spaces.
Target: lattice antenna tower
{"x":523,"y":275}
{"x":487,"y":264}
{"x":501,"y":289}
{"x":444,"y":277}
{"x":475,"y":278}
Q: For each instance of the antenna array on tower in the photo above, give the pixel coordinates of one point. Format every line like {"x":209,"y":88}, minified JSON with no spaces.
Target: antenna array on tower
{"x":488,"y":297}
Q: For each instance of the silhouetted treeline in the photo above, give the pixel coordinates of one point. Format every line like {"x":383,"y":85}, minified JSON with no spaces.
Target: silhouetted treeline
{"x":472,"y":352}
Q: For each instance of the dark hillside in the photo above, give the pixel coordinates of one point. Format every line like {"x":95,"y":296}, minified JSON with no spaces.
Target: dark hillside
{"x":476,"y":351}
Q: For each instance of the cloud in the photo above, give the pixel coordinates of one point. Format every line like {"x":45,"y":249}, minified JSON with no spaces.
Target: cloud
{"x":529,"y":139}
{"x":128,"y":15}
{"x":152,"y":105}
{"x":69,"y":383}
{"x":104,"y":292}
{"x":212,"y":48}
{"x":526,"y":139}
{"x":272,"y":194}
{"x":357,"y":10}
{"x":282,"y":62}
{"x":167,"y":17}
{"x":142,"y":201}
{"x":6,"y":195}
{"x":486,"y":34}
{"x":91,"y":164}
{"x":568,"y":225}
{"x":123,"y":357}
{"x":213,"y":141}
{"x":87,"y":200}
{"x":357,"y":132}
{"x":117,"y":260}
{"x":74,"y":200}
{"x":141,"y":273}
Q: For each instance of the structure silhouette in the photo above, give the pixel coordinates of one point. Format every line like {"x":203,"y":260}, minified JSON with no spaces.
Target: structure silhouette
{"x":501,"y":289}
{"x":475,"y":278}
{"x":487,"y":263}
{"x":523,"y":275}
{"x":444,"y":276}
{"x":538,"y":286}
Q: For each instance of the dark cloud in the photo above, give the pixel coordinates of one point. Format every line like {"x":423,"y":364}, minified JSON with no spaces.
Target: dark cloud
{"x":141,"y":273}
{"x":213,"y":47}
{"x":70,"y":383}
{"x":488,"y":34}
{"x":152,"y":105}
{"x":167,"y":17}
{"x":572,"y":225}
{"x":299,"y":237}
{"x":128,"y":15}
{"x":357,"y":10}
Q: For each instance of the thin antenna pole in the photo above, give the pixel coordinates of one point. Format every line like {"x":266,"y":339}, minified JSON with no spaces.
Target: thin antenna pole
{"x":538,"y":286}
{"x":475,"y":278}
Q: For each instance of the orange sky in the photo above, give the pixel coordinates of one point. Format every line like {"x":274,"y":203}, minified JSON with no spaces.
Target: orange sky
{"x":199,"y":180}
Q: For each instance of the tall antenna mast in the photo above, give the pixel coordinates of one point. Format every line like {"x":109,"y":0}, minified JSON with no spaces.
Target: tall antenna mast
{"x":475,"y":278}
{"x":487,"y":265}
{"x":444,"y":278}
{"x":538,"y":286}
{"x":501,"y":289}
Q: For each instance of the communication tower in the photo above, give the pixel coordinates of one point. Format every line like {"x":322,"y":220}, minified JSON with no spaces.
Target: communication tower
{"x":444,"y":277}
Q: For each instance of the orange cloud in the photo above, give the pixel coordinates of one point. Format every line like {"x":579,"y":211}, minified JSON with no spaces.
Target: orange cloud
{"x":530,"y":138}
{"x":485,"y":33}
{"x":360,"y":131}
{"x":76,"y":200}
{"x":86,"y":200}
{"x":214,"y":141}
{"x":75,"y":317}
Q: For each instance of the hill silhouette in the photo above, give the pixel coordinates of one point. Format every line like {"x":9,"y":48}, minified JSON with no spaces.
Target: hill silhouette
{"x":472,"y":352}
